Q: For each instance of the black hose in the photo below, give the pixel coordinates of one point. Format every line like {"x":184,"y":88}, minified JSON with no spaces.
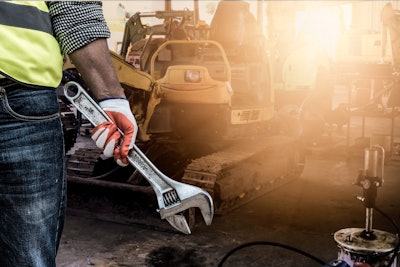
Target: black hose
{"x":267,"y":243}
{"x":104,"y":175}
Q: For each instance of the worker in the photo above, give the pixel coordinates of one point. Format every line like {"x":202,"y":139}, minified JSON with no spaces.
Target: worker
{"x":34,"y":37}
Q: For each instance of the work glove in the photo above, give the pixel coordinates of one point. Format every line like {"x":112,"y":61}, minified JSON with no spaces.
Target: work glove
{"x":106,"y":134}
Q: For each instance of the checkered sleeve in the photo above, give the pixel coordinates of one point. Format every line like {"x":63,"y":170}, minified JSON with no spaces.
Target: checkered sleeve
{"x":77,"y":23}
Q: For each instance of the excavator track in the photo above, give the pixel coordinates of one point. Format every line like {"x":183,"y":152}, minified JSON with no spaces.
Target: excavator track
{"x":82,"y":162}
{"x":243,"y":172}
{"x":69,"y":124}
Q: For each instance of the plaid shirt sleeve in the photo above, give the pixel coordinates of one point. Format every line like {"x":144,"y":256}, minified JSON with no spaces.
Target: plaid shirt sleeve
{"x":77,"y":23}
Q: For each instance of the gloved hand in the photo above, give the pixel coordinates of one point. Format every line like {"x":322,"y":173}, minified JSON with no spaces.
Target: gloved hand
{"x":107,"y":136}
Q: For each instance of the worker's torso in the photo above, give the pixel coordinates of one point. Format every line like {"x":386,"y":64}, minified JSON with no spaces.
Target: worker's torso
{"x":29,"y":53}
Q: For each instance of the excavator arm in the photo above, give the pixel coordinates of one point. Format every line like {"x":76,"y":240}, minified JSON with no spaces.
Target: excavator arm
{"x":131,"y":79}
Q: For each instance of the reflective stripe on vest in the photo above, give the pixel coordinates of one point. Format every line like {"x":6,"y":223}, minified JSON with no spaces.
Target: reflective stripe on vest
{"x":29,"y":53}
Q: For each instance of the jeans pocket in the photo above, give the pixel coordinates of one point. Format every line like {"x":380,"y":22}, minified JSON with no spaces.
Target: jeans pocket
{"x":30,"y":104}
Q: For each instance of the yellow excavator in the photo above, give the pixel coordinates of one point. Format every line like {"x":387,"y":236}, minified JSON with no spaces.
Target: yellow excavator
{"x":204,"y":103}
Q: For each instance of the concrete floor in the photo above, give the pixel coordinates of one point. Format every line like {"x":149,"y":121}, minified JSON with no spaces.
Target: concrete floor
{"x":303,"y":215}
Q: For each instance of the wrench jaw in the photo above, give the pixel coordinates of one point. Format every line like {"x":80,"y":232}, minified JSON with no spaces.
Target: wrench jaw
{"x":173,"y":213}
{"x":201,"y":200}
{"x":179,"y":223}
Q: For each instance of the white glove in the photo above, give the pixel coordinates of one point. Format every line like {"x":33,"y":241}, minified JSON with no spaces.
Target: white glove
{"x":107,"y":136}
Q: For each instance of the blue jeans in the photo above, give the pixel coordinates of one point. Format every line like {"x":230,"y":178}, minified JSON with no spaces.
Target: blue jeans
{"x":32,"y":177}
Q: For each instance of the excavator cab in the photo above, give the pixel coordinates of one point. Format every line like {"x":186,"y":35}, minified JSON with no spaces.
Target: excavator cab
{"x":237,"y":30}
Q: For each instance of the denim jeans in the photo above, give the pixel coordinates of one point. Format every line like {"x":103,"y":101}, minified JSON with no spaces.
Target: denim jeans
{"x":32,"y":177}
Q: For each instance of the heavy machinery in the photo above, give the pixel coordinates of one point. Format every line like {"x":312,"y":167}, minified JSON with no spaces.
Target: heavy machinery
{"x":204,"y":103}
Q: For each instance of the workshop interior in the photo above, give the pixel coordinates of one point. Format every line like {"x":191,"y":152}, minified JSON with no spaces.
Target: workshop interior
{"x":234,"y":100}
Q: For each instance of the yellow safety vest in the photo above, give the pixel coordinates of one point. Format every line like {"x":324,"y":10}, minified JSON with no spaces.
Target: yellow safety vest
{"x":29,"y":52}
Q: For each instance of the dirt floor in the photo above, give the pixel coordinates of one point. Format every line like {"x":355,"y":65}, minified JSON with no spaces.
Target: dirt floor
{"x":301,"y":216}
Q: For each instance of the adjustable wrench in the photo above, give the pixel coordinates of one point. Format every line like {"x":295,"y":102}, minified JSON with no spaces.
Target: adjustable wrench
{"x":173,"y":197}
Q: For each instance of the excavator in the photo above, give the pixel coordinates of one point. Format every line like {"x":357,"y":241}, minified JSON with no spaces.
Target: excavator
{"x":204,"y":103}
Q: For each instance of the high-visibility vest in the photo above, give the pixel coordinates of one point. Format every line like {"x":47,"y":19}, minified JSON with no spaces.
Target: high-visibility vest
{"x":29,"y":52}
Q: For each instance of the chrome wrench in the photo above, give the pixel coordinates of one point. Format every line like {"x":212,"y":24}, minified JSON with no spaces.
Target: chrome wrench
{"x":173,"y":197}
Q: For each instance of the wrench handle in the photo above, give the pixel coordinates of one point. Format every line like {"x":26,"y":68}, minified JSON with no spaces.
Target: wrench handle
{"x":84,"y":103}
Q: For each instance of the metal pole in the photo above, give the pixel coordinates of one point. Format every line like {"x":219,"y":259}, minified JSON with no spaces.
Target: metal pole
{"x":368,"y":219}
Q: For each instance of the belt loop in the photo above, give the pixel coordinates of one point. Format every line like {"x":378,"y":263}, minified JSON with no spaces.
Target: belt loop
{"x":3,"y":93}
{"x":8,"y":84}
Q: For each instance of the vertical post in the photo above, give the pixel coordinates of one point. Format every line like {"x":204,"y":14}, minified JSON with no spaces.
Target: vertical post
{"x":370,"y":184}
{"x":196,"y":12}
{"x":368,"y":219}
{"x":167,"y":5}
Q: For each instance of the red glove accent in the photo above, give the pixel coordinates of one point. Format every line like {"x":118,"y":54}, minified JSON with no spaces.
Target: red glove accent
{"x":107,"y":136}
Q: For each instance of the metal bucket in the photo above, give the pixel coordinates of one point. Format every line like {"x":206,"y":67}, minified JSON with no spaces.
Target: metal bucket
{"x":355,"y":247}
